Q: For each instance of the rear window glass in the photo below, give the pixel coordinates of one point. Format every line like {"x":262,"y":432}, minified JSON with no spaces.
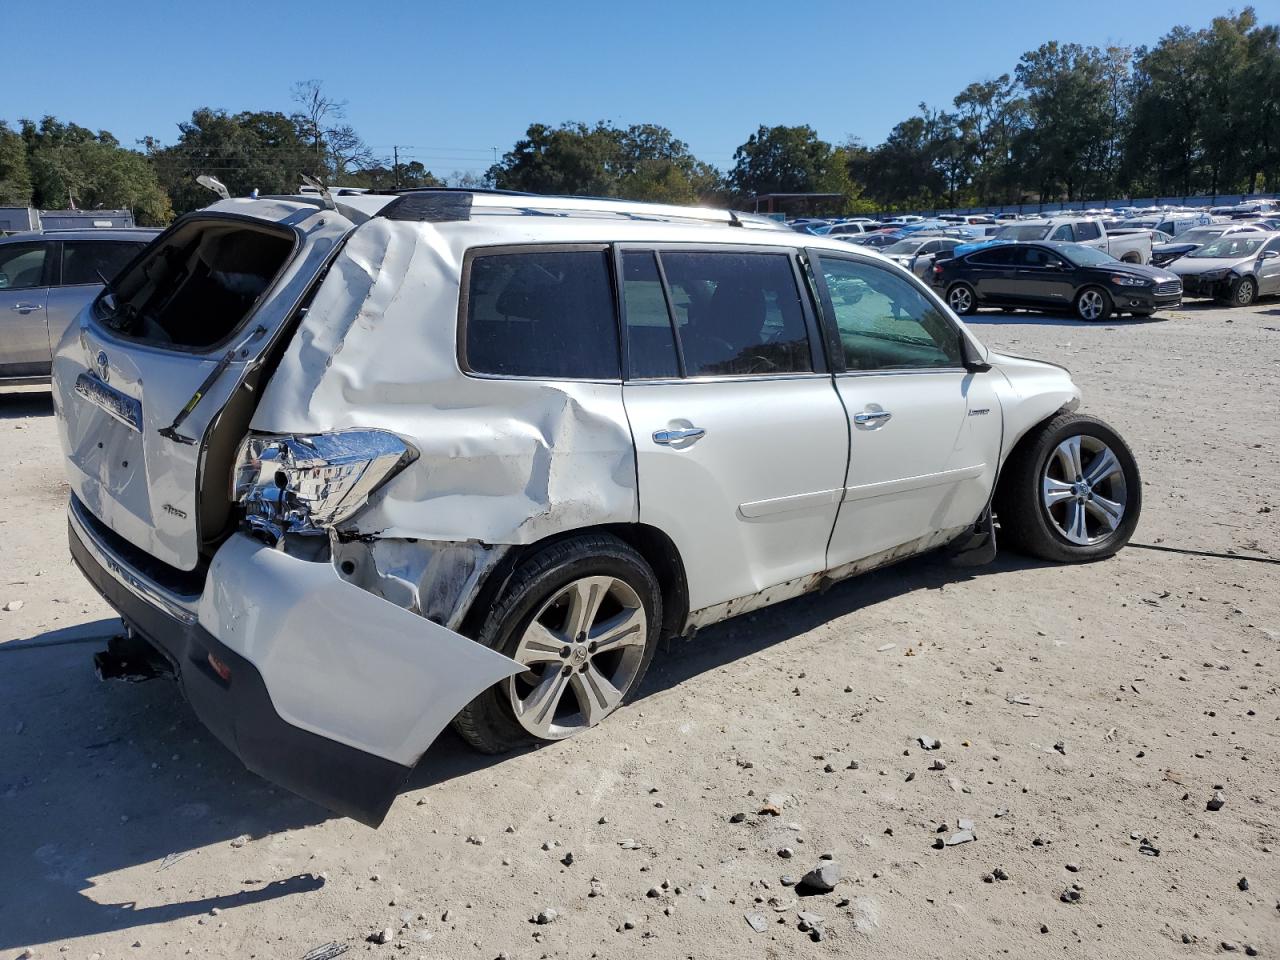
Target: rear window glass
{"x":542,"y":314}
{"x":198,"y":286}
{"x":95,"y":261}
{"x":737,"y":313}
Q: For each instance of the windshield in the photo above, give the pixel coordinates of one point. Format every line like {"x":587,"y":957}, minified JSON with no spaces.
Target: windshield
{"x":1230,"y":248}
{"x":1024,"y":231}
{"x":1200,"y":235}
{"x":1083,"y":256}
{"x":902,"y":246}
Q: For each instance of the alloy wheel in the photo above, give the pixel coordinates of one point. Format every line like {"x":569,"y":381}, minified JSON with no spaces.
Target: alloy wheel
{"x":960,"y":300}
{"x":1244,"y":292}
{"x":1083,"y":490}
{"x":583,"y":650}
{"x":1091,"y":304}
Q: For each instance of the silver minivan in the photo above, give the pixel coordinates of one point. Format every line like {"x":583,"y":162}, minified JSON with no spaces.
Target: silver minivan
{"x":46,"y":278}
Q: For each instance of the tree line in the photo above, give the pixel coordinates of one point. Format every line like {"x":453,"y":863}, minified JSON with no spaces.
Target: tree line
{"x":1198,"y":112}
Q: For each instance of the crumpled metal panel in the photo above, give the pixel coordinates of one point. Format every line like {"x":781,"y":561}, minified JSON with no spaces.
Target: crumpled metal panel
{"x":339,"y":661}
{"x":502,"y":461}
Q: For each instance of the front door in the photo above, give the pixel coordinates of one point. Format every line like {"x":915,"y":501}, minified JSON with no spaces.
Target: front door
{"x":24,"y":292}
{"x":1043,"y":278}
{"x":926,"y":432}
{"x":741,"y":441}
{"x":1269,"y":268}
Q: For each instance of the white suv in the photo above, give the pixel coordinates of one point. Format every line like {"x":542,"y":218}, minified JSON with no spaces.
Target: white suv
{"x":362,"y":466}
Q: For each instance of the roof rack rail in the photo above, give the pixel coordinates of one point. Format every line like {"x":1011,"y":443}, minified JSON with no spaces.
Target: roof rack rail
{"x":440,"y":205}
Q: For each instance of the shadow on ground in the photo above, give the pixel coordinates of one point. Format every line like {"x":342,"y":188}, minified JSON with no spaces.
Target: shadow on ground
{"x":103,"y":777}
{"x":16,"y":404}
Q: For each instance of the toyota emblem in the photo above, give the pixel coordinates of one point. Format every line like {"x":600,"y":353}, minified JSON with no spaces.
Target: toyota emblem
{"x":100,"y":366}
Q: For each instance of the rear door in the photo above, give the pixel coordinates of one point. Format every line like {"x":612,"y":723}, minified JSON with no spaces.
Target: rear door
{"x":994,"y":274}
{"x":145,"y":373}
{"x":741,"y":441}
{"x":25,"y":275}
{"x":925,"y":432}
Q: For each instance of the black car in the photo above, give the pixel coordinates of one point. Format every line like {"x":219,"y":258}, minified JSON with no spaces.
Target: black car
{"x":1053,"y":276}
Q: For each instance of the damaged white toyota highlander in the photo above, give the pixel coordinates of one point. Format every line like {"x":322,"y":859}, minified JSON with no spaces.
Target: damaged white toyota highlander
{"x":354,"y":468}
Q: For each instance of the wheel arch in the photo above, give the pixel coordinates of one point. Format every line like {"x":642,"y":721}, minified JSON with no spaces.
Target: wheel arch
{"x":1018,"y":441}
{"x":657,"y":549}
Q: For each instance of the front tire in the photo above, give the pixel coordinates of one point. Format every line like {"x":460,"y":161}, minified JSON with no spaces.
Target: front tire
{"x":1070,"y":492}
{"x":1093,"y":305}
{"x":962,"y":299}
{"x":1243,"y":292}
{"x":583,"y":614}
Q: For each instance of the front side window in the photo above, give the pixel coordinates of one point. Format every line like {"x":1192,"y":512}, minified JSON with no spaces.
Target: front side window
{"x":1062,"y":233}
{"x":546,"y":313}
{"x":885,"y":322}
{"x":95,"y":261}
{"x":22,"y":266}
{"x":1037,"y":257}
{"x":737,"y":313}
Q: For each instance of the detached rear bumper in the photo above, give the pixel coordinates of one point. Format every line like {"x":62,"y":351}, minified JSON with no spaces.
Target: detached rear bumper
{"x":331,"y":692}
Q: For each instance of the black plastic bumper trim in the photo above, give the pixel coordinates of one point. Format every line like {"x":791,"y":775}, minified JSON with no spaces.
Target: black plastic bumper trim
{"x":240,"y":714}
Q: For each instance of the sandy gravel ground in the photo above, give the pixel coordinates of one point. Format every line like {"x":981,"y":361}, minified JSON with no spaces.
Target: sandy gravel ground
{"x":126,"y":831}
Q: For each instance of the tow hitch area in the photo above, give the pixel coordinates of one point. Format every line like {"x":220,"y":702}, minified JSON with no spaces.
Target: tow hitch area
{"x":130,"y":659}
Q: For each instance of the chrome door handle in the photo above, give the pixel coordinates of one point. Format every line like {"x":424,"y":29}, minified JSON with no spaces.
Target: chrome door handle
{"x":875,"y":416}
{"x":668,"y":437}
{"x":25,"y":307}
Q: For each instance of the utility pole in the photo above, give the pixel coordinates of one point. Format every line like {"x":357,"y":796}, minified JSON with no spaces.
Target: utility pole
{"x":395,"y":167}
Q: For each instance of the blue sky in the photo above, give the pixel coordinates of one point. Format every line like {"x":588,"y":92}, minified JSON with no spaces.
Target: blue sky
{"x":451,"y":81}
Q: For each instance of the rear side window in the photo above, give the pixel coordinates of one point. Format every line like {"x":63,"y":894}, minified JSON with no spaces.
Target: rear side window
{"x":993,"y":257}
{"x":1087,"y":230}
{"x":22,"y":266}
{"x":546,"y":314}
{"x":195,"y":288}
{"x":651,"y":345}
{"x":95,"y":261}
{"x":737,"y":313}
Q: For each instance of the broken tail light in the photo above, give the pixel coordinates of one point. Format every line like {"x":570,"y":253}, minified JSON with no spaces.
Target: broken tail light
{"x":311,"y":483}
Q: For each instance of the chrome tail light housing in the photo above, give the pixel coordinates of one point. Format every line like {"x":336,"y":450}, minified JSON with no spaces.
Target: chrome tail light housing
{"x":311,"y":483}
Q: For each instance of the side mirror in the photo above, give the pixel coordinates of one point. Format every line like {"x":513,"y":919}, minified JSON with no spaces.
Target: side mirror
{"x":971,"y":358}
{"x":1269,"y":255}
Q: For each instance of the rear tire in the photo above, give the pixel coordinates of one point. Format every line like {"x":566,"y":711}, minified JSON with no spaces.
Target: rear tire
{"x":1093,"y":305}
{"x":962,"y":299}
{"x":534,"y":620}
{"x":1070,"y":492}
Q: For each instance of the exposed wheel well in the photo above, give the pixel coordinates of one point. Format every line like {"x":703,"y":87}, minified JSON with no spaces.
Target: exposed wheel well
{"x":655,"y":546}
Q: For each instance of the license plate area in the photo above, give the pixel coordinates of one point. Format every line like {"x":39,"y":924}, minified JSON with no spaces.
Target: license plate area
{"x":119,"y":406}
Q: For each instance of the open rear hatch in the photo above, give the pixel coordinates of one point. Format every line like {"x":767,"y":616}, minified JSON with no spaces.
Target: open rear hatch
{"x":155,"y":381}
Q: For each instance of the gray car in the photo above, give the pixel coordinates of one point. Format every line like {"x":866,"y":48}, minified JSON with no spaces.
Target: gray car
{"x":1237,"y":268}
{"x":46,"y":278}
{"x":917,"y":254}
